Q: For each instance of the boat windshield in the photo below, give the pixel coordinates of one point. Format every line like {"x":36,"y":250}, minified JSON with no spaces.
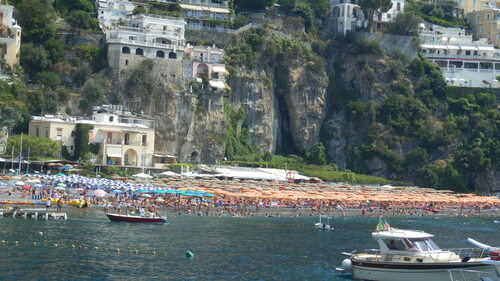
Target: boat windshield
{"x":422,"y":244}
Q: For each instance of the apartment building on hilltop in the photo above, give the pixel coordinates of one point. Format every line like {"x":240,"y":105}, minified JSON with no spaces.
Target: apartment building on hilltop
{"x":486,"y":24}
{"x":10,"y":37}
{"x":464,"y":62}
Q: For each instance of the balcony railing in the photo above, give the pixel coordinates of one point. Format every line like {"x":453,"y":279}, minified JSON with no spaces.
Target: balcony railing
{"x":473,"y":57}
{"x":143,"y":43}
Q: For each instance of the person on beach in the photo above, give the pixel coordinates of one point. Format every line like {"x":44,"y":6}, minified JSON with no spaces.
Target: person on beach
{"x":48,"y":204}
{"x":59,"y":204}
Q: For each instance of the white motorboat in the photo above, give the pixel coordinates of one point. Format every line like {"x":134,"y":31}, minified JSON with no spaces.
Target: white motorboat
{"x":411,"y":255}
{"x":323,"y":226}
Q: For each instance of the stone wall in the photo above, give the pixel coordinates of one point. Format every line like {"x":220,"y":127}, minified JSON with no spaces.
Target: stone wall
{"x":219,"y":39}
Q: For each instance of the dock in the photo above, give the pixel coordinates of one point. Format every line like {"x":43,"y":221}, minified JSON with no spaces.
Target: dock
{"x":34,"y":213}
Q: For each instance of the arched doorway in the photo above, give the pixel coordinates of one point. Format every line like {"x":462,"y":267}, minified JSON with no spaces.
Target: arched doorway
{"x":160,"y":54}
{"x":201,"y":69}
{"x":130,"y":158}
{"x":172,"y":55}
{"x":139,"y":52}
{"x":126,"y":50}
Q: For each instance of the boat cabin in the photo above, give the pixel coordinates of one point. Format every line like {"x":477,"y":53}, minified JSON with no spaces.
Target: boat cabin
{"x":404,"y":241}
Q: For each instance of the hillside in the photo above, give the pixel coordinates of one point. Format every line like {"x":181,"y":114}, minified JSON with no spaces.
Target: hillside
{"x":315,"y":97}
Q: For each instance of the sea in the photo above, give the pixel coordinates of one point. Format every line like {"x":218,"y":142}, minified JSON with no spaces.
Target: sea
{"x":89,"y":247}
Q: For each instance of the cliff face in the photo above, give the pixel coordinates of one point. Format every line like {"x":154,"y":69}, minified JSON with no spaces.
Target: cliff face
{"x":186,"y":125}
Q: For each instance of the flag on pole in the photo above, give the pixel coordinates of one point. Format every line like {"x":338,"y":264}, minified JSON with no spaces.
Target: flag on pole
{"x":380,"y":225}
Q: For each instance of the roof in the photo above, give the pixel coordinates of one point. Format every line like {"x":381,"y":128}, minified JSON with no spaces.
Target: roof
{"x":401,"y":233}
{"x":203,"y":8}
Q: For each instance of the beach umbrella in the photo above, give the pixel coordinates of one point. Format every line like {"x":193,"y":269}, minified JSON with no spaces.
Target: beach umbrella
{"x":38,"y":185}
{"x":146,"y":195}
{"x":117,"y":191}
{"x":61,"y":184}
{"x":59,"y":188}
{"x":142,"y":176}
{"x":142,"y":191}
{"x":2,"y":183}
{"x":159,"y":200}
{"x":19,"y":183}
{"x":99,"y":193}
{"x":60,"y":174}
{"x":26,"y":186}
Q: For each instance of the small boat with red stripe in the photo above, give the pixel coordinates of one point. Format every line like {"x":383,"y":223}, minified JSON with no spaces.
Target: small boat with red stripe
{"x":132,"y":218}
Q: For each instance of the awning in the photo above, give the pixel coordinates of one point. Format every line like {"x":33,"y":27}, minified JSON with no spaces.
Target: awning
{"x":114,"y":155}
{"x":429,"y":46}
{"x":440,"y":47}
{"x":217,"y":84}
{"x":219,"y":69}
{"x":452,"y":47}
{"x":218,"y":10}
{"x":486,"y":48}
{"x":473,"y":48}
{"x":191,"y":7}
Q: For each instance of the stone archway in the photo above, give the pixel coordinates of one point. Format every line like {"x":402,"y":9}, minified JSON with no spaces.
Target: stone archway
{"x":130,"y":157}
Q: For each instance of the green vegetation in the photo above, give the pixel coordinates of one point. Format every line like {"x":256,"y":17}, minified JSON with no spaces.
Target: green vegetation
{"x":38,"y":147}
{"x":442,"y":13}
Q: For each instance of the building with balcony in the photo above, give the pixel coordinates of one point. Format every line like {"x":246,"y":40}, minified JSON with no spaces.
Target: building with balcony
{"x":10,"y":37}
{"x":124,"y":138}
{"x":208,"y":15}
{"x":464,"y":62}
{"x":113,"y":12}
{"x":346,"y":15}
{"x":146,"y":37}
{"x":486,"y":24}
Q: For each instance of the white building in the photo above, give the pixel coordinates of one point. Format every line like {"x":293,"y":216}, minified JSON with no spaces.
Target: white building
{"x":111,"y":12}
{"x":464,"y":62}
{"x":347,"y":15}
{"x":124,"y":139}
{"x":10,"y":36}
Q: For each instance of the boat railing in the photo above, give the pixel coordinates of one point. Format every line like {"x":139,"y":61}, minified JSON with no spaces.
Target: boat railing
{"x":469,"y":275}
{"x":441,"y":256}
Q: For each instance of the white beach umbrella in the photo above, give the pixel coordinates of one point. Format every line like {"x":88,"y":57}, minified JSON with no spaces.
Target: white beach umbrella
{"x":142,"y":176}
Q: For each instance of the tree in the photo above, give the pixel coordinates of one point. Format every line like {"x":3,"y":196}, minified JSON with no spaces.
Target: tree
{"x":317,"y":155}
{"x":94,"y":90}
{"x":83,"y":20}
{"x":373,"y":8}
{"x":55,"y":50}
{"x":34,"y":59}
{"x":82,"y":147}
{"x":405,"y":24}
{"x":254,"y":4}
{"x":48,"y":79}
{"x":37,"y":19}
{"x":38,"y":146}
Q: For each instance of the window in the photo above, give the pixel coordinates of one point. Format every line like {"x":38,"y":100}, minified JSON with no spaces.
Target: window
{"x":389,"y":16}
{"x":126,"y":62}
{"x":160,"y":54}
{"x":398,"y":7}
{"x":481,"y":29}
{"x":72,"y":133}
{"x":37,"y":131}
{"x":172,"y":55}
{"x":46,"y":132}
{"x":487,"y":16}
{"x":144,"y":140}
{"x":111,"y":119}
{"x":478,"y":19}
{"x":126,"y":50}
{"x":59,"y":134}
{"x":132,"y":38}
{"x":139,"y":52}
{"x":71,"y":147}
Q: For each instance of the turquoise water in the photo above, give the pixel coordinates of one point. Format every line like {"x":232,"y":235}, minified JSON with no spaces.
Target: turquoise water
{"x":225,"y":248}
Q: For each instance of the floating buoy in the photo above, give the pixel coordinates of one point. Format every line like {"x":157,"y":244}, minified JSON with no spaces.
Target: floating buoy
{"x":73,"y":246}
{"x":118,"y":250}
{"x":34,"y":243}
{"x":96,"y":248}
{"x":55,"y":245}
{"x":189,"y":255}
{"x":41,"y":233}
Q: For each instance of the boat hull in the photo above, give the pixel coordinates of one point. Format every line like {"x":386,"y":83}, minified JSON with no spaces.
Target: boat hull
{"x":410,"y":271}
{"x":123,"y":218}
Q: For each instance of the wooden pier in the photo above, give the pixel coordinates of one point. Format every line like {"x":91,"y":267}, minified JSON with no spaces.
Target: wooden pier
{"x":34,"y":213}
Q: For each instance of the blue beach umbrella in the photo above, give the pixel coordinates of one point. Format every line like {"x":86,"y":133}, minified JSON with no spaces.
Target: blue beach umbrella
{"x":117,"y":191}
